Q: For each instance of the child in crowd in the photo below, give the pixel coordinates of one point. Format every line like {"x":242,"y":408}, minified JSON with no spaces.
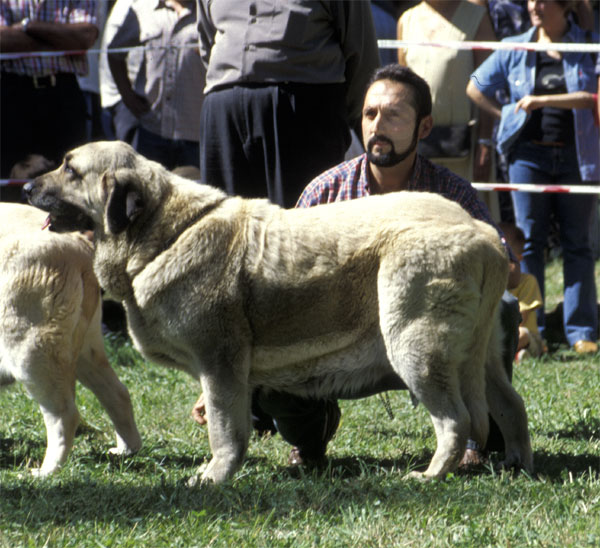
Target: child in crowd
{"x":530,"y":299}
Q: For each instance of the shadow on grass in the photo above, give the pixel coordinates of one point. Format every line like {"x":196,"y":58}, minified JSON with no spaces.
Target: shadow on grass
{"x":555,"y":467}
{"x":583,"y":429}
{"x":16,"y":453}
{"x":280,"y":492}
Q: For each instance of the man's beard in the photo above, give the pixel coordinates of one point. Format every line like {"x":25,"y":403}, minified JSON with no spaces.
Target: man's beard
{"x":391,"y":158}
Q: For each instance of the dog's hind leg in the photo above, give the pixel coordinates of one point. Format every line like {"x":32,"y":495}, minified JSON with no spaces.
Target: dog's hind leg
{"x":452,"y":424}
{"x":53,"y":388}
{"x":508,"y":410}
{"x":433,"y":379}
{"x":95,"y":373}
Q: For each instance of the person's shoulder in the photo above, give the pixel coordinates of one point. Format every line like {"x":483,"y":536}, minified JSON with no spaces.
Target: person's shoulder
{"x":528,"y":280}
{"x":578,"y":35}
{"x":343,"y":169}
{"x":441,"y":173}
{"x":326,"y":186}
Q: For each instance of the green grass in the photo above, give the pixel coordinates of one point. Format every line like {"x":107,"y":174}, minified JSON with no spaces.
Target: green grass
{"x":360,"y":499}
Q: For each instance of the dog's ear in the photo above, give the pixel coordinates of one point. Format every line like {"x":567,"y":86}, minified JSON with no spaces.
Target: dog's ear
{"x":124,"y":203}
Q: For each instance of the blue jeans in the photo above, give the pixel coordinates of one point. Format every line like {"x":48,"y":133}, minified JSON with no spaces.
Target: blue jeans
{"x":530,"y":163}
{"x":171,"y":153}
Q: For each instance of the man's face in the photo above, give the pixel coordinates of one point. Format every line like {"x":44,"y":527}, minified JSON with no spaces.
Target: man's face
{"x":389,"y":123}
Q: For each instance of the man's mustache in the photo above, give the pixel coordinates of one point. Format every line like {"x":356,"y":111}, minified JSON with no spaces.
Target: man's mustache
{"x":380,"y":139}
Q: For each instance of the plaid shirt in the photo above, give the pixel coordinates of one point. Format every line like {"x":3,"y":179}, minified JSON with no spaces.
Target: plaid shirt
{"x":54,"y":11}
{"x":350,"y":180}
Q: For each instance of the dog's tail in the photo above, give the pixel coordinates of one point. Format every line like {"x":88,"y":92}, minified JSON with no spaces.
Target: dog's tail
{"x":486,"y":342}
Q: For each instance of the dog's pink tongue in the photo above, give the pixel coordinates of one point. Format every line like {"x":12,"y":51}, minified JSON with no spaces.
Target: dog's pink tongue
{"x":46,"y":223}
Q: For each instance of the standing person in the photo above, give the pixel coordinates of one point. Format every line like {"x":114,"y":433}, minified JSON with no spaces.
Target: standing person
{"x":548,"y":133}
{"x":90,"y":83}
{"x":395,"y":116}
{"x":166,"y":97}
{"x":282,"y":88}
{"x":42,"y":107}
{"x":118,"y":122}
{"x":455,"y":142}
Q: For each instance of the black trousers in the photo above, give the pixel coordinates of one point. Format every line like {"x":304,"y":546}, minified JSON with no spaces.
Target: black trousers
{"x":49,"y":119}
{"x":270,"y":141}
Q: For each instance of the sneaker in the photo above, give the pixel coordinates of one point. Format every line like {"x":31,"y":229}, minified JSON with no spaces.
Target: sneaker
{"x":585,"y":347}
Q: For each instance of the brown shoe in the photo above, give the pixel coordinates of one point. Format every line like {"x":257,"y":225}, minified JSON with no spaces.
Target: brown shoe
{"x":585,"y":347}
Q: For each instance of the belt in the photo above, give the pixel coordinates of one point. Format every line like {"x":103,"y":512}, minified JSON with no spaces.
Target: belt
{"x":549,"y":143}
{"x":40,"y":82}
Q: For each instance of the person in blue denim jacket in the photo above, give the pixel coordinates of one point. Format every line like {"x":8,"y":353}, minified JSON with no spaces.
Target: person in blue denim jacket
{"x":547,"y":131}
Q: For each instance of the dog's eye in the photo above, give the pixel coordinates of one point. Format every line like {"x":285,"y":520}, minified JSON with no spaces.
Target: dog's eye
{"x":70,"y":171}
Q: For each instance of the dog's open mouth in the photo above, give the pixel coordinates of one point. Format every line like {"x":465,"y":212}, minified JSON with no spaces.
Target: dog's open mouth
{"x":70,"y":219}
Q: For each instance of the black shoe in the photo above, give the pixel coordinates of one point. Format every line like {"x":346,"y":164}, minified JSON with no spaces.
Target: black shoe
{"x":313,"y":457}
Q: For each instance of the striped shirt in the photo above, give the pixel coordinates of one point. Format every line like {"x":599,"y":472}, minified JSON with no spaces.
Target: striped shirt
{"x":52,"y":11}
{"x":349,"y":180}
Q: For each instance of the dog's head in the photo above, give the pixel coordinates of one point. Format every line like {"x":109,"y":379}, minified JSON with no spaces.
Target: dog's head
{"x":103,"y":186}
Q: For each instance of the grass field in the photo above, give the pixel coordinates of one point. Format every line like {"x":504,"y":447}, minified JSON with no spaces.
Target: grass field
{"x":359,"y":500}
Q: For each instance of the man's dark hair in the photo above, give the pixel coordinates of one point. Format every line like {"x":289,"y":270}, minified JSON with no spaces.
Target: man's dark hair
{"x":421,"y":94}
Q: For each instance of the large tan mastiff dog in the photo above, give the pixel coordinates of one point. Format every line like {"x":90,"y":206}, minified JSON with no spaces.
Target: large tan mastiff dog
{"x":241,"y":293}
{"x":50,"y":332}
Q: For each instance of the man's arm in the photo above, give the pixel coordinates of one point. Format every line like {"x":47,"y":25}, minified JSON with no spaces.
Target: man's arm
{"x":206,"y":31}
{"x":47,"y":36}
{"x":574,"y":100}
{"x":491,"y":106}
{"x":127,"y":35}
{"x":483,"y":151}
{"x":354,"y":26}
{"x":137,"y":104}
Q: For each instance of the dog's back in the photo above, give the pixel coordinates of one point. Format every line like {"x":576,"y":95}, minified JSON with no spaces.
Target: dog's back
{"x":50,"y":332}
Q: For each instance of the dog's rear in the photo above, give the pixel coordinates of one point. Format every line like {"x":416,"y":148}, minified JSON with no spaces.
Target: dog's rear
{"x":503,"y":402}
{"x":50,"y":332}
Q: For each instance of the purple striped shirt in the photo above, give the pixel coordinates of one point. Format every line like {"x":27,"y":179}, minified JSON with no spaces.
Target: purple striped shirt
{"x":52,"y":11}
{"x":350,"y":180}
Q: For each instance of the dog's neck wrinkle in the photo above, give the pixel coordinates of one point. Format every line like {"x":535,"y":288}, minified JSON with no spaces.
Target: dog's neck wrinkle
{"x":178,"y":231}
{"x":186,"y":225}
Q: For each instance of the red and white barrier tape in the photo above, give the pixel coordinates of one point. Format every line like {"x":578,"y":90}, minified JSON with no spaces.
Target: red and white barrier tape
{"x":384,"y":44}
{"x":528,"y":187}
{"x":496,"y":187}
{"x":527,"y":46}
{"x":13,"y":182}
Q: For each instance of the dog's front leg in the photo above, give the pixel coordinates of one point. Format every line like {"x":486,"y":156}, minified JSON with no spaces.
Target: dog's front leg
{"x":229,"y":426}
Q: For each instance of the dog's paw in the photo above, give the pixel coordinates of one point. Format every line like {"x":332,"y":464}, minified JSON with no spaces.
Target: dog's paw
{"x":40,"y":472}
{"x":200,"y":477}
{"x":122,"y":451}
{"x":513,"y":462}
{"x":414,"y":475}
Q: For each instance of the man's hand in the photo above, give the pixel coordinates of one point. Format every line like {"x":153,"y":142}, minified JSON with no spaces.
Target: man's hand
{"x":530,"y":103}
{"x":137,"y":104}
{"x":199,"y":411}
{"x":483,"y":162}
